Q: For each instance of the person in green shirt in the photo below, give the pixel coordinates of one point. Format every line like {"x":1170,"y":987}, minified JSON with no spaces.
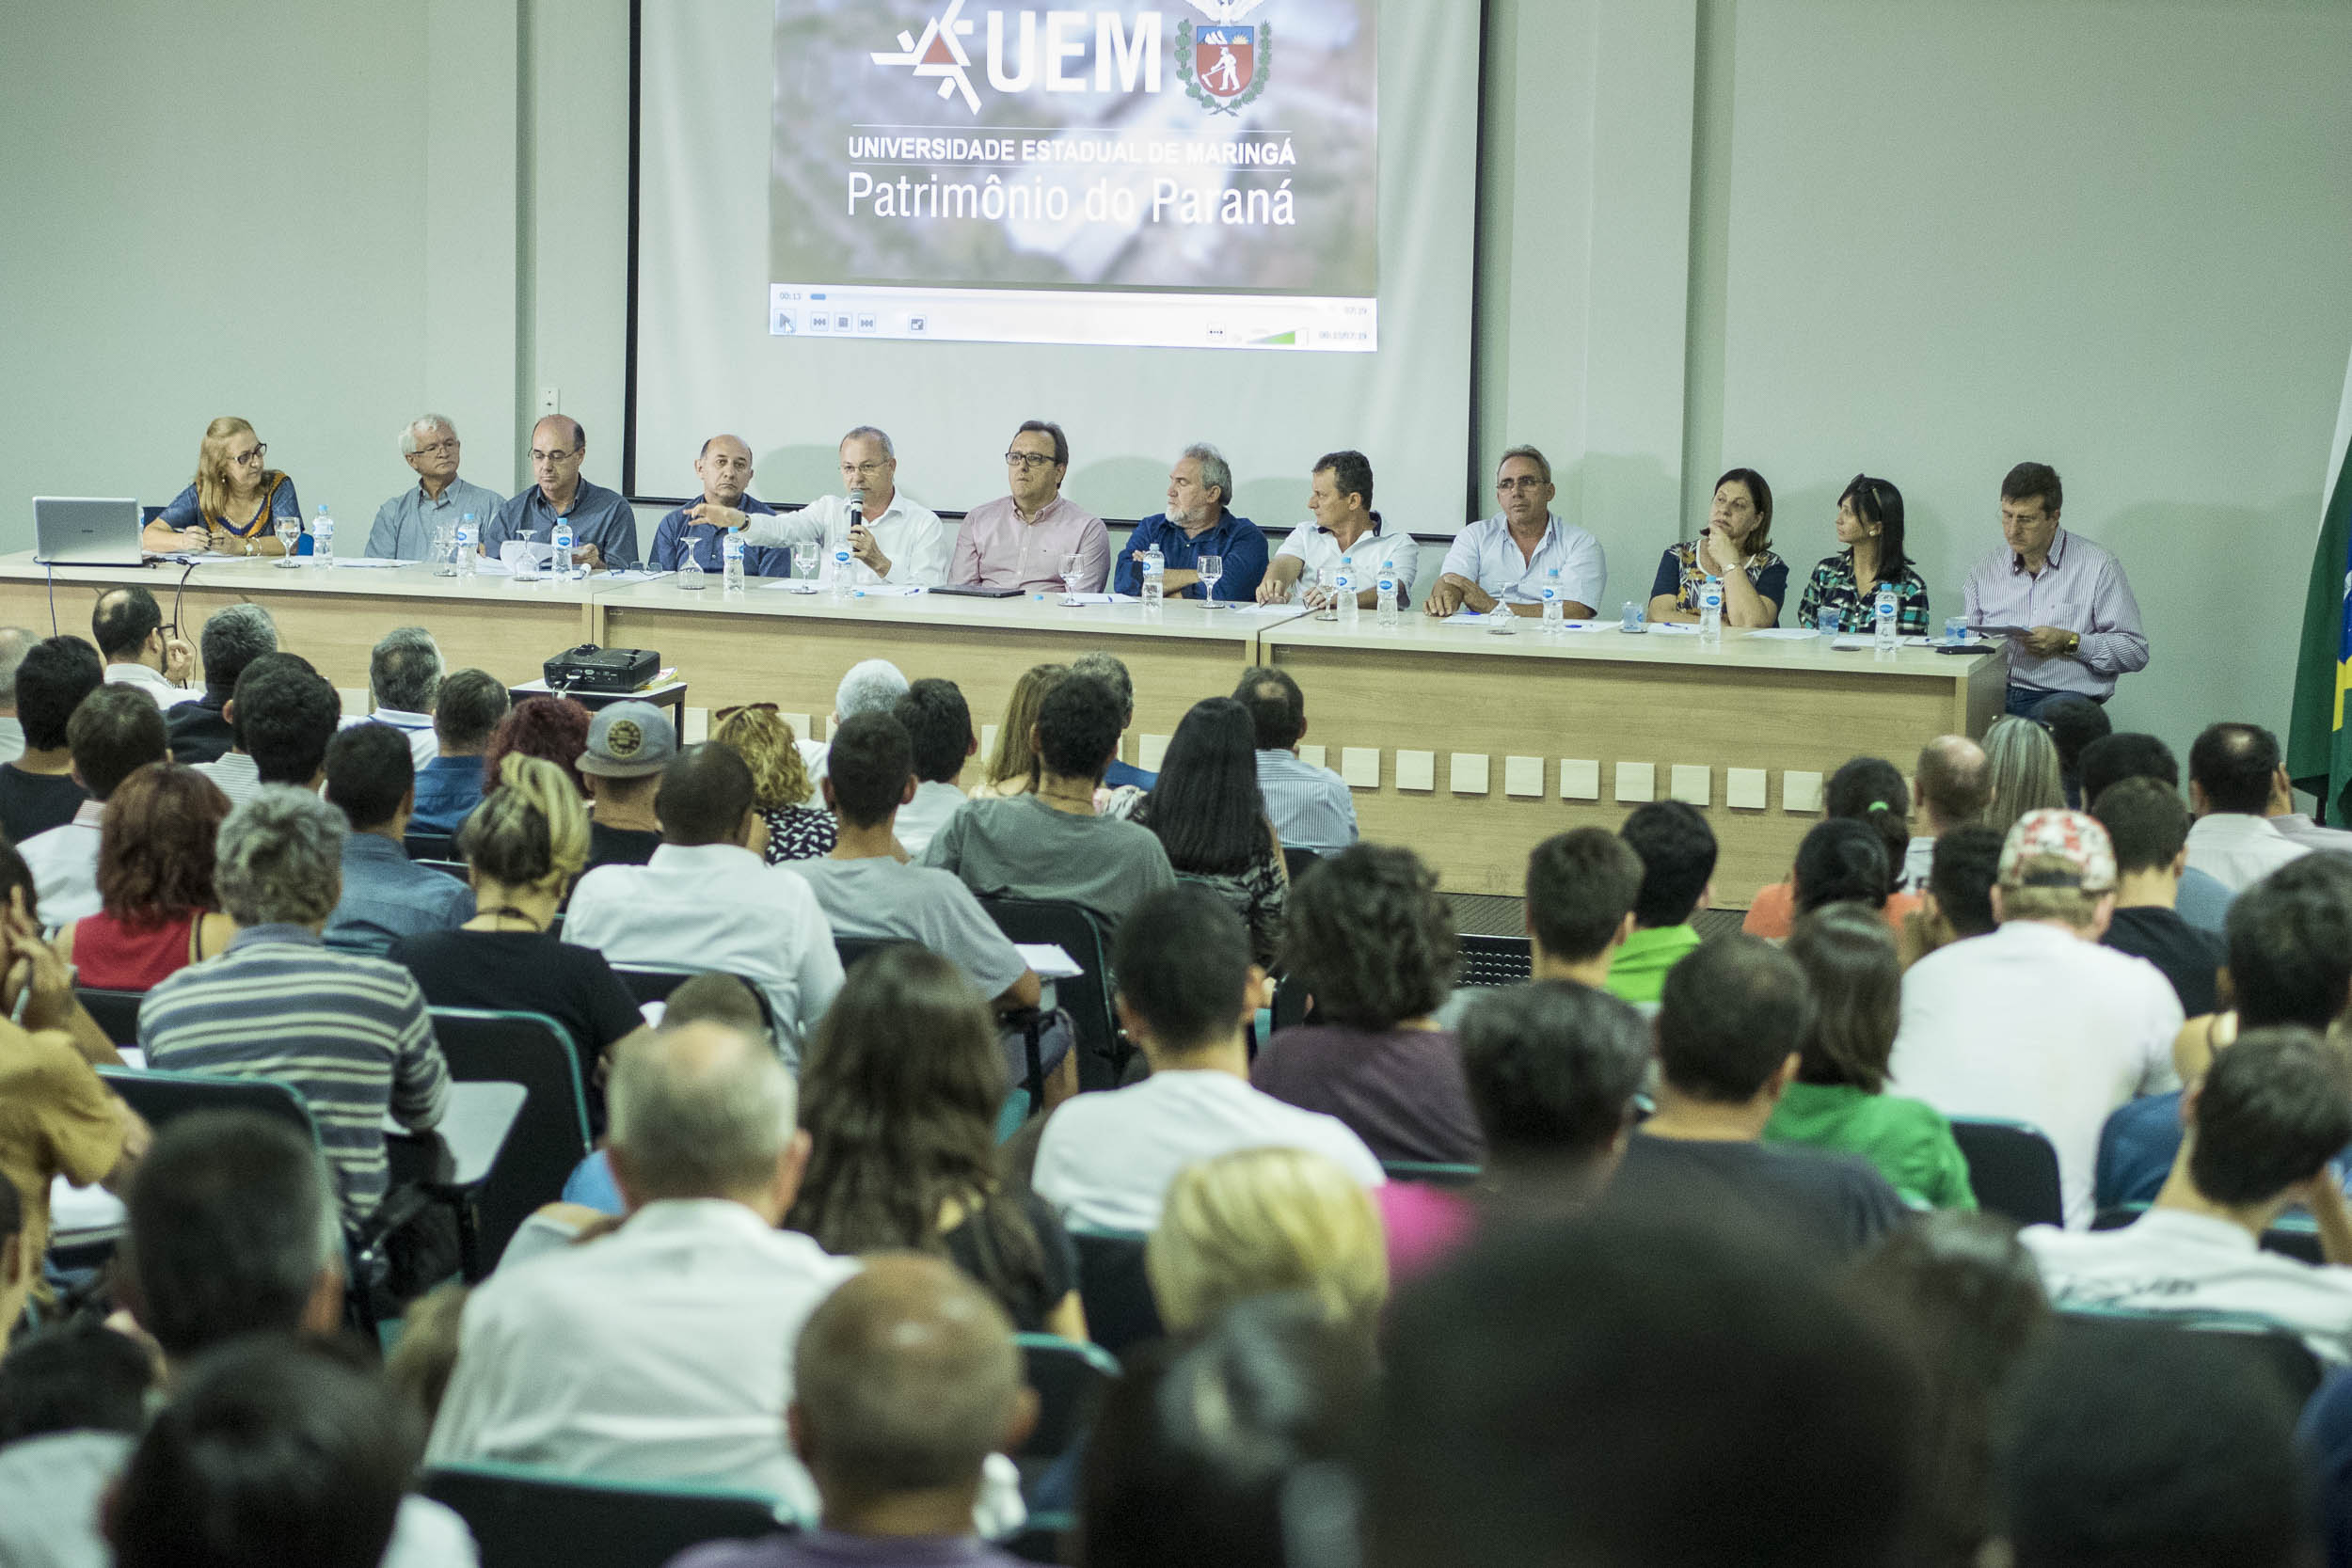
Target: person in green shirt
{"x":1838,"y":1101}
{"x":1580,"y":887}
{"x":1677,"y":849}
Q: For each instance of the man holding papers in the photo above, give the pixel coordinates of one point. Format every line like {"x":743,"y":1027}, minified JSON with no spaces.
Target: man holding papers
{"x":2063,"y":602}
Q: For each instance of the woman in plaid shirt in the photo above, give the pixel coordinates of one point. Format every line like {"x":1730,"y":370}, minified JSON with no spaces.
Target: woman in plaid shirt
{"x":1870,"y":526}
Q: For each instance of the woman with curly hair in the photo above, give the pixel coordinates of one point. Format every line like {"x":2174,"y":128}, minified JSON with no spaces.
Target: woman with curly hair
{"x":1368,"y":935}
{"x":158,"y":911}
{"x":551,"y":728}
{"x":904,"y":1143}
{"x":765,"y":743}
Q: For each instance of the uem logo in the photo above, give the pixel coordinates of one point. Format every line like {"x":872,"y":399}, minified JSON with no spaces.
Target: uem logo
{"x":1125,"y":50}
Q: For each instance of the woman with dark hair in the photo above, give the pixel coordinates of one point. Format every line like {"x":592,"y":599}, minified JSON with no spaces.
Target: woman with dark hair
{"x":1735,"y":545}
{"x":551,"y":728}
{"x":1839,"y":862}
{"x":903,"y":1142}
{"x":1369,"y":939}
{"x":1867,"y":790}
{"x":157,"y":911}
{"x":1209,"y":817}
{"x":1838,"y":1102}
{"x":1846,"y":585}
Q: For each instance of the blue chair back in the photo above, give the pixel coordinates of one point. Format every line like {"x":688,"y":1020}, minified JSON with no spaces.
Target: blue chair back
{"x":550,"y":1134}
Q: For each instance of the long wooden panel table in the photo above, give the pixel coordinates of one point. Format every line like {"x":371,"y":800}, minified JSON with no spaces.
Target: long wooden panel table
{"x":1611,"y":718}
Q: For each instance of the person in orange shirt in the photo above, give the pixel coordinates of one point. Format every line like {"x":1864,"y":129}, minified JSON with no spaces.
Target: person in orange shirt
{"x":1867,"y":790}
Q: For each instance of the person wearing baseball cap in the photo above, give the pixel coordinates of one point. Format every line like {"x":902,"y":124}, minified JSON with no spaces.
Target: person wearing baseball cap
{"x":628,"y":746}
{"x":2037,"y":1021}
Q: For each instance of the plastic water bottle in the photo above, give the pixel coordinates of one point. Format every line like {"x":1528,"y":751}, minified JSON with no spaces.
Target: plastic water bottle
{"x":1155,"y":578}
{"x":840,"y":563}
{"x":1711,"y":613}
{"x":1555,"y":609}
{"x":322,"y":538}
{"x":468,"y":532}
{"x":1889,"y":619}
{"x":731,"y":562}
{"x":561,"y":536}
{"x":1384,"y":593}
{"x":1343,"y":597}
{"x":690,"y":575}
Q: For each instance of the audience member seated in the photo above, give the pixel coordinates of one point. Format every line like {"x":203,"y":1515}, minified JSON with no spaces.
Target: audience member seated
{"x":2203,"y":901}
{"x":1954,"y":786}
{"x":386,"y":896}
{"x":939,"y":723}
{"x":1012,"y":769}
{"x":2022,"y":762}
{"x":115,"y":732}
{"x":904,"y":1381}
{"x":780,"y":786}
{"x":2149,"y":1446}
{"x":1866,"y":791}
{"x":869,"y":686}
{"x":37,"y":788}
{"x":554,"y":729}
{"x":1581,"y":887}
{"x":1957,"y":903}
{"x":660,"y":1352}
{"x":2289,"y":963}
{"x":1677,"y":849}
{"x":1186,"y":987}
{"x":1263,"y":1222}
{"x":138,"y":651}
{"x":2037,"y":1022}
{"x":14,"y":640}
{"x":1970,"y":1302}
{"x":2149,"y":827}
{"x":902,"y":1142}
{"x":1112,"y":672}
{"x":1369,"y":939}
{"x":466,"y":713}
{"x":1731,"y":1023}
{"x":524,"y":844}
{"x":158,"y":912}
{"x":1617,"y":1389}
{"x":1839,"y":1101}
{"x":73,"y":1394}
{"x":2237,"y":784}
{"x":365,"y":1046}
{"x":234,"y":635}
{"x":2259,"y":1132}
{"x":1208,"y":813}
{"x":2074,"y":723}
{"x":706,"y":900}
{"x":1311,"y":807}
{"x":405,"y":680}
{"x":628,"y":745}
{"x":1206,"y":1453}
{"x":416,"y":1367}
{"x":1051,"y":842}
{"x":282,"y":716}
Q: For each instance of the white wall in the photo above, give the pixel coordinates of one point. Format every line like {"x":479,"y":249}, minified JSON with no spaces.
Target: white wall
{"x":1921,"y":237}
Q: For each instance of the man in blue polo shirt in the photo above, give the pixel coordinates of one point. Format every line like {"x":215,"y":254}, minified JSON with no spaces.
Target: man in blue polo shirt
{"x":724,"y":466}
{"x":1197,"y":522}
{"x":604,"y":530}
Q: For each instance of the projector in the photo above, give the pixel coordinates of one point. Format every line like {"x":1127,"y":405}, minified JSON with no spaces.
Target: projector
{"x":612,"y":671}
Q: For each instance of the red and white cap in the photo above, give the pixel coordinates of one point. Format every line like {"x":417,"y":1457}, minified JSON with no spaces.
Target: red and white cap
{"x":2059,"y":849}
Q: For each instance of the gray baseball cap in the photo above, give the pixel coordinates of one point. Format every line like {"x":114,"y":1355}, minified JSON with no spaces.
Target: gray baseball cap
{"x":628,"y":740}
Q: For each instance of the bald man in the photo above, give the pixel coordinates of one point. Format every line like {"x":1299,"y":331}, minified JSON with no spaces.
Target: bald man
{"x":604,"y":530}
{"x":725,"y":468}
{"x":1953,"y":784}
{"x":904,"y":1382}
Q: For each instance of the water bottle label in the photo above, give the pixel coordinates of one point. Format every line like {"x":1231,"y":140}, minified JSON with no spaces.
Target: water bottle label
{"x":1342,"y":580}
{"x":1551,"y":596}
{"x":1388,"y":585}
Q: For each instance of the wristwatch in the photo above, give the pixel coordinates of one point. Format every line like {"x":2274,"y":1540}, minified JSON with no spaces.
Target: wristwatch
{"x":2074,"y":641}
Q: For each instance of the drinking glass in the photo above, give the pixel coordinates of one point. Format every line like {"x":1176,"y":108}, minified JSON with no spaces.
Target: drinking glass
{"x":804,"y":558}
{"x":445,"y":549}
{"x":1321,"y":596}
{"x":1073,"y":566}
{"x":1211,"y":568}
{"x":288,"y":534}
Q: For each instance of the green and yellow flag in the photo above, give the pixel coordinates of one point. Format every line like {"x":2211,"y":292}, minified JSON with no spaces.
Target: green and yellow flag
{"x":2319,"y":748}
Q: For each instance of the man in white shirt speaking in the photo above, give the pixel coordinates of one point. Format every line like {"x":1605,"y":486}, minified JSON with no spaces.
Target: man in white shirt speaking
{"x":1509,"y":558}
{"x":1186,"y":986}
{"x":2037,"y":1021}
{"x":890,"y":538}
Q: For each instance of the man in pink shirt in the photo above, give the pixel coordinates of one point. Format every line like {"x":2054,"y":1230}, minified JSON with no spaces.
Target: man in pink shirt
{"x":1020,"y":540}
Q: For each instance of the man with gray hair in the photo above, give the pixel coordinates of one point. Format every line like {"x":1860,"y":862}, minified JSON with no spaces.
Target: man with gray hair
{"x":13,"y":642}
{"x":1510,"y":558}
{"x":233,"y":636}
{"x":663,"y":1351}
{"x":1112,"y":672}
{"x":404,"y":525}
{"x":890,"y":537}
{"x":404,"y":676}
{"x":871,"y":686}
{"x":364,"y":1046}
{"x":1198,"y":521}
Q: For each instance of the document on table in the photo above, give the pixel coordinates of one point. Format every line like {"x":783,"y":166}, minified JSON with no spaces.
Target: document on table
{"x":891,"y":591}
{"x":788,"y":585}
{"x":634,"y":574}
{"x":1050,"y":961}
{"x":1784,"y":634}
{"x":1672,"y":629}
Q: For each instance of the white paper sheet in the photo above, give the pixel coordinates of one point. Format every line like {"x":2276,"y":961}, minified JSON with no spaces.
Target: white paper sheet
{"x":1049,"y":960}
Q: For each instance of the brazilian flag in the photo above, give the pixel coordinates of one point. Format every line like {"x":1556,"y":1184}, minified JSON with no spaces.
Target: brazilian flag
{"x":2319,"y":748}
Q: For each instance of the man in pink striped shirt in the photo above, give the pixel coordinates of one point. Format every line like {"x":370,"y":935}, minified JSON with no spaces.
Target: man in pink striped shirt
{"x":1019,"y":540}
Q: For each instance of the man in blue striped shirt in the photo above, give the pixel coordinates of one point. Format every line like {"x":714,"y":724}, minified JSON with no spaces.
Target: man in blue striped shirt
{"x":1311,"y":807}
{"x":348,"y":1032}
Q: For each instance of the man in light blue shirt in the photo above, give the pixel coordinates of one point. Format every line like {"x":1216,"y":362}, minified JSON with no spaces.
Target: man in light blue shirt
{"x":1508,"y":559}
{"x":404,"y":525}
{"x":604,"y":530}
{"x":371,"y":778}
{"x":1311,"y":807}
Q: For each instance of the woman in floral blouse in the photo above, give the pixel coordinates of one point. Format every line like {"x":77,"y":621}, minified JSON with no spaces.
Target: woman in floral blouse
{"x":797,"y":830}
{"x":1739,"y":533}
{"x":1870,"y":526}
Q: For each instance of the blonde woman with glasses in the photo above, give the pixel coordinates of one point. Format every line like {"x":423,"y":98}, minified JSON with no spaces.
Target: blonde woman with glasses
{"x":796,"y":831}
{"x":234,"y":501}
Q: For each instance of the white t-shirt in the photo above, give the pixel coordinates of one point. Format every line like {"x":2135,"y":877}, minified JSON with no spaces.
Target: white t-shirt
{"x":1106,"y":1160}
{"x":920,"y":819}
{"x":1314,"y":545}
{"x":2033,"y":1023}
{"x":2170,"y":1260}
{"x":64,"y":864}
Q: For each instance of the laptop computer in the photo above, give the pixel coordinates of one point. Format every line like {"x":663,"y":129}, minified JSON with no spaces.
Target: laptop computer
{"x":84,"y":530}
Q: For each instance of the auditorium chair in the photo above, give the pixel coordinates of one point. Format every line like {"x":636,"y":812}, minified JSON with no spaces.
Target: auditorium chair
{"x":1102,"y":1053}
{"x":1114,"y":1290}
{"x":1070,"y":1378}
{"x":2012,"y":1168}
{"x":550,"y":1134}
{"x":117,"y":1012}
{"x":523,"y":1517}
{"x":2270,"y":1349}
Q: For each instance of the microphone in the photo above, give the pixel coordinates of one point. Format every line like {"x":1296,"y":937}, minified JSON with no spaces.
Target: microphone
{"x":857,"y":506}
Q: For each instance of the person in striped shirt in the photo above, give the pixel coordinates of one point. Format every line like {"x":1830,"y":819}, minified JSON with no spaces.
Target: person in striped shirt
{"x":349,"y":1033}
